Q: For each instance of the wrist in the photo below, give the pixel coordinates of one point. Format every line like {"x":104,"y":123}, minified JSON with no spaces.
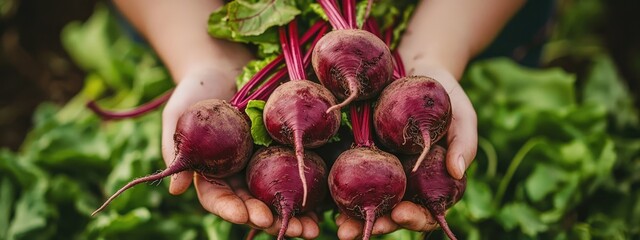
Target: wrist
{"x":224,"y":58}
{"x":433,"y":55}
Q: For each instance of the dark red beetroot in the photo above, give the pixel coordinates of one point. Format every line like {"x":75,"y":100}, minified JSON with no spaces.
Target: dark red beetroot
{"x":296,"y":112}
{"x":365,"y":182}
{"x":432,"y":187}
{"x":212,"y":138}
{"x":412,"y":114}
{"x":272,"y":177}
{"x":353,"y":64}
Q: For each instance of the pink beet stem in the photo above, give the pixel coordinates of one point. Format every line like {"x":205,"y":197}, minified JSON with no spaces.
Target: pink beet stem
{"x":372,"y":26}
{"x":349,"y":10}
{"x":335,"y":19}
{"x":252,"y":234}
{"x":443,"y":224}
{"x":138,"y":111}
{"x":370,"y":217}
{"x":426,"y":138}
{"x":174,"y":168}
{"x":241,"y":98}
{"x":271,"y":84}
{"x":398,"y":67}
{"x":294,"y":46}
{"x":286,"y":213}
{"x":360,"y":124}
{"x":367,"y":12}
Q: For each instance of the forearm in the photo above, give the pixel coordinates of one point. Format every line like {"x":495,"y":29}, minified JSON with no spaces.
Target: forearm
{"x":448,"y":33}
{"x":177,"y":30}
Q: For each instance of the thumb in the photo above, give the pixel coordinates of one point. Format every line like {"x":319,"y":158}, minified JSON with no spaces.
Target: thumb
{"x":179,"y":182}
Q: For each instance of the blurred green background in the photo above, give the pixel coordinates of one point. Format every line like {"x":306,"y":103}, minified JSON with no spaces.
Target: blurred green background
{"x":558,"y":156}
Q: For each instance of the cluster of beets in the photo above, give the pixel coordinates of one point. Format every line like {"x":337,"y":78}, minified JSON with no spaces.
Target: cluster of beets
{"x":410,"y":114}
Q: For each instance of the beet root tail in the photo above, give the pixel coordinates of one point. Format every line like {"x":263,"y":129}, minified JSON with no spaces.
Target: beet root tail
{"x":426,"y":137}
{"x":299,"y":147}
{"x":353,"y":95}
{"x":443,"y":224}
{"x":369,"y":219}
{"x":285,"y":214}
{"x":172,"y":169}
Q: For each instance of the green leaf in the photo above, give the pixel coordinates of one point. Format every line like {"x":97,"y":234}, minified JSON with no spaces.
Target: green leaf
{"x":7,"y":195}
{"x":250,"y":70}
{"x":344,"y":120}
{"x":478,"y":200}
{"x":544,"y":180}
{"x":604,"y":86}
{"x":89,"y":45}
{"x":523,"y":216}
{"x":258,"y":130}
{"x":317,"y":9}
{"x":246,"y":18}
{"x":112,"y":224}
{"x":217,"y":228}
{"x":32,"y":215}
{"x":400,"y":27}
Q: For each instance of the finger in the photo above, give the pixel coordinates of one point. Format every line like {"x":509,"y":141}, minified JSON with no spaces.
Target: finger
{"x":219,"y":199}
{"x":260,"y":215}
{"x":384,"y":225}
{"x":293,"y":230}
{"x":179,"y":182}
{"x":462,"y":137}
{"x":350,"y":229}
{"x":310,"y":228}
{"x":341,"y":218}
{"x":413,"y":217}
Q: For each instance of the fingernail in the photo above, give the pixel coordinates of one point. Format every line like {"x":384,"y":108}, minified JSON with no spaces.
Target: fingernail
{"x":462,"y":166}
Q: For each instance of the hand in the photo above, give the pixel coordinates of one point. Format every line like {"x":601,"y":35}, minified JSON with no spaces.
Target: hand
{"x":462,"y":136}
{"x":404,"y":215}
{"x":228,"y":198}
{"x":461,"y":149}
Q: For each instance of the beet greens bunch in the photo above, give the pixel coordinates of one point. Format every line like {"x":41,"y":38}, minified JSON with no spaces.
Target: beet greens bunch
{"x":301,"y":110}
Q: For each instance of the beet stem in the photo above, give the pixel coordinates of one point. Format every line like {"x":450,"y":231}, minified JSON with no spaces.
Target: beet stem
{"x":241,"y":98}
{"x":294,"y":45}
{"x":252,"y":234}
{"x":367,"y":12}
{"x":350,"y":13}
{"x":299,"y":147}
{"x":286,"y":212}
{"x":360,"y":122}
{"x":353,"y":94}
{"x":399,"y":65}
{"x":138,"y":111}
{"x":369,"y":220}
{"x":172,"y":169}
{"x":445,"y":227}
{"x":426,"y":137}
{"x":335,"y":19}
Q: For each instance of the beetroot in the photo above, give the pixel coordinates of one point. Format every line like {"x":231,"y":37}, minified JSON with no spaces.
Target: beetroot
{"x":353,"y":64}
{"x":212,"y":138}
{"x":412,"y":114}
{"x":365,"y":182}
{"x":272,"y":178}
{"x":432,"y":187}
{"x":296,"y":112}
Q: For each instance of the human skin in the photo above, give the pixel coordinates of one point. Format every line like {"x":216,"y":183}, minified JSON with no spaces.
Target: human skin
{"x":202,"y":68}
{"x":441,"y":38}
